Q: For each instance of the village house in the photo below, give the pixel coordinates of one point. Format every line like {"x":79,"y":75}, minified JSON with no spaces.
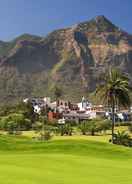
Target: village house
{"x":62,"y":109}
{"x":38,"y":103}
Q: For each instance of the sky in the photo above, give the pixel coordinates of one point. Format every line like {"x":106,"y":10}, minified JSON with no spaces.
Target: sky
{"x":39,"y":17}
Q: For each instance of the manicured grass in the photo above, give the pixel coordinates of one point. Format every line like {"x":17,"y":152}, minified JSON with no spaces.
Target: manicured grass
{"x":69,"y":160}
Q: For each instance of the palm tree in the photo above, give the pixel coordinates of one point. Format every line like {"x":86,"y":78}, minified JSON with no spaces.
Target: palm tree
{"x":83,"y":127}
{"x":114,"y":91}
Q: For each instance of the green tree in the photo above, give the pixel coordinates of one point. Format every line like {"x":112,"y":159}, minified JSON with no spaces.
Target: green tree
{"x":68,"y":129}
{"x":43,"y":128}
{"x":65,"y":129}
{"x":114,"y":90}
{"x":61,"y":129}
{"x":28,"y":112}
{"x":57,"y":92}
{"x":104,"y":125}
{"x":83,"y":127}
{"x":14,"y":121}
{"x":93,"y":126}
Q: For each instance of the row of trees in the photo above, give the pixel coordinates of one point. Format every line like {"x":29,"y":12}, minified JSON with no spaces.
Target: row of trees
{"x":93,"y":126}
{"x":17,"y":117}
{"x":15,"y":123}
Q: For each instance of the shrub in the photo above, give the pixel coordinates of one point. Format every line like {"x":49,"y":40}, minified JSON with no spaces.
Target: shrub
{"x":14,"y":121}
{"x":83,"y":127}
{"x":104,"y":125}
{"x":45,"y":136}
{"x":61,"y":129}
{"x":65,"y":129}
{"x":124,"y":123}
{"x":68,"y":129}
{"x":122,"y":138}
{"x":130,"y":128}
{"x":93,"y":126}
{"x":43,"y":128}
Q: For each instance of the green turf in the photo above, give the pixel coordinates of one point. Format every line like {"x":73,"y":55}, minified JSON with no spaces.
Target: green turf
{"x":75,"y":161}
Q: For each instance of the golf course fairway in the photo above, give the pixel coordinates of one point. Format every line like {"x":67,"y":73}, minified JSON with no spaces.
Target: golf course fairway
{"x":25,"y":161}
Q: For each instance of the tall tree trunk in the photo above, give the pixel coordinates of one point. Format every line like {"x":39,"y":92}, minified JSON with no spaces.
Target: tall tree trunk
{"x":92,"y":132}
{"x":113,"y":119}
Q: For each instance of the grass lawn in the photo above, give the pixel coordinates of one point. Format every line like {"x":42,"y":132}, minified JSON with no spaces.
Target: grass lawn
{"x":67,"y":160}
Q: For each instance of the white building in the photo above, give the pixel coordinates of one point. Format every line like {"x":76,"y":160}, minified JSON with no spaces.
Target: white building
{"x":25,"y":100}
{"x":37,"y":109}
{"x":84,"y":104}
{"x":47,"y":100}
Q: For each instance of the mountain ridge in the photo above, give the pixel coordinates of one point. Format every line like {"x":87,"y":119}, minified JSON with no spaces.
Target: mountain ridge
{"x":71,"y":58}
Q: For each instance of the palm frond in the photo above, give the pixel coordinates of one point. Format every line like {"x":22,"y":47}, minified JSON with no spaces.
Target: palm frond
{"x":115,"y":86}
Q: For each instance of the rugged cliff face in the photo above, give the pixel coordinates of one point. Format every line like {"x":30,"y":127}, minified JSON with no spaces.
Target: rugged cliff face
{"x":72,"y":58}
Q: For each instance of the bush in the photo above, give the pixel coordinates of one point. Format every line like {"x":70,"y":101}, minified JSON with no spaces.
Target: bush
{"x":37,"y":126}
{"x":14,"y":121}
{"x":127,"y":123}
{"x":65,"y":129}
{"x":83,"y":127}
{"x":18,"y":132}
{"x":93,"y":126}
{"x":22,"y":113}
{"x":68,"y":129}
{"x":44,"y":130}
{"x":61,"y":129}
{"x":130,"y":128}
{"x":104,"y":125}
{"x":45,"y":136}
{"x":122,"y":138}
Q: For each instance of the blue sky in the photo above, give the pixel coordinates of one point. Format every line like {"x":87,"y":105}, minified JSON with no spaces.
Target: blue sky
{"x":43,"y":16}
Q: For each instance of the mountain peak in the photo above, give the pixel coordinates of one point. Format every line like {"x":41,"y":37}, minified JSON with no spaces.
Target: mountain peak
{"x":98,"y":24}
{"x":101,"y":18}
{"x":104,"y":23}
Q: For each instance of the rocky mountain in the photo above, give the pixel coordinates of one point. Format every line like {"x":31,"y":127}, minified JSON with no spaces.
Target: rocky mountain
{"x":71,"y":58}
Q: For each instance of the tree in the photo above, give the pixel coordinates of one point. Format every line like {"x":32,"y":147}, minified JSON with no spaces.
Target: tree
{"x":93,"y":126}
{"x":104,"y":125}
{"x":28,"y":111}
{"x":114,"y":91}
{"x":15,"y":121}
{"x":65,"y":129}
{"x":11,"y":123}
{"x":57,"y":92}
{"x":83,"y":127}
{"x":43,"y":129}
{"x":68,"y":129}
